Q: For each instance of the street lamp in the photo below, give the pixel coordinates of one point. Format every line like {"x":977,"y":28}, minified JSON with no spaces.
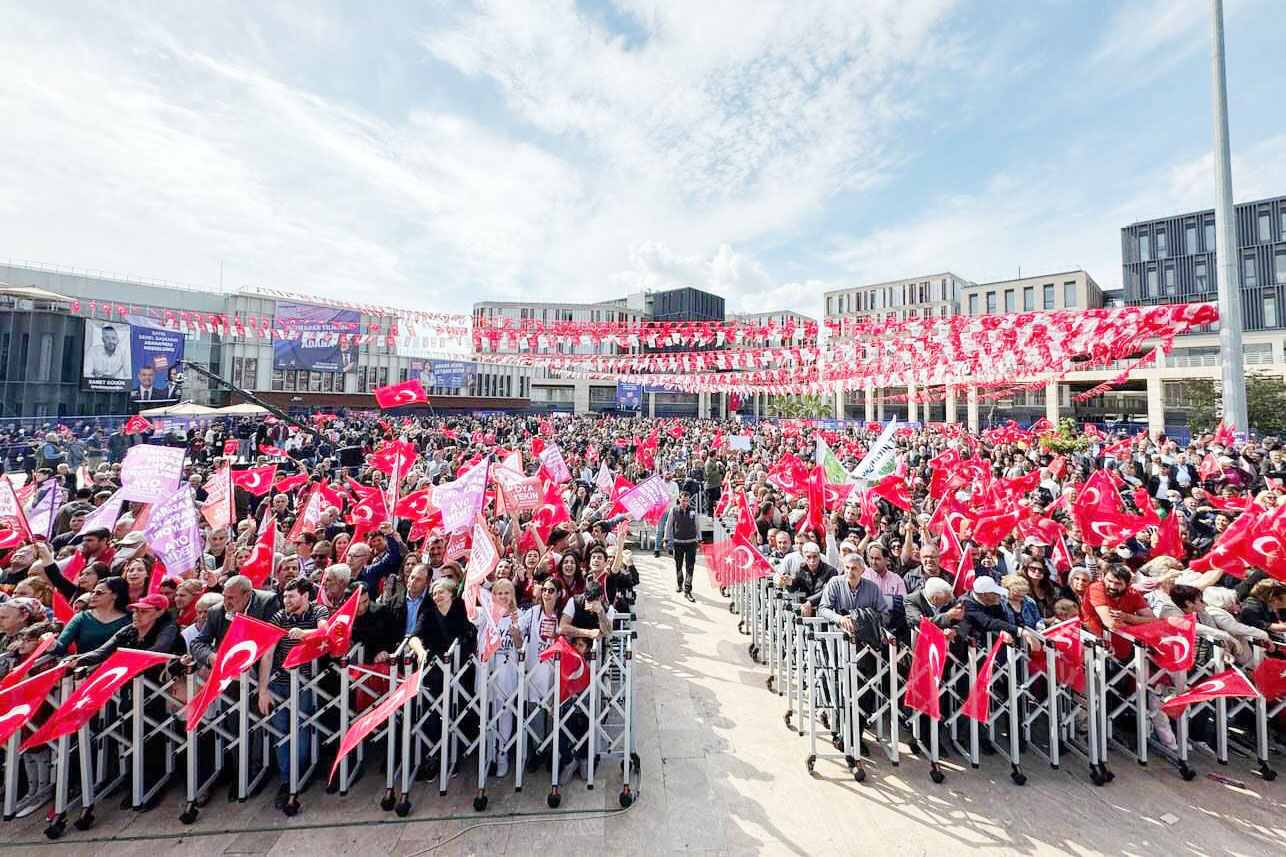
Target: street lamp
{"x":1226,"y":249}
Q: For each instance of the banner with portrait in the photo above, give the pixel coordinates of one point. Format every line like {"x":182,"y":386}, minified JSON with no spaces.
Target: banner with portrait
{"x":107,"y":361}
{"x":319,"y":339}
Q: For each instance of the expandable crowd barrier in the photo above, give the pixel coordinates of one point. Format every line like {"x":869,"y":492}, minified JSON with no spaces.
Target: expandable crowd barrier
{"x":465,"y":708}
{"x":849,"y":695}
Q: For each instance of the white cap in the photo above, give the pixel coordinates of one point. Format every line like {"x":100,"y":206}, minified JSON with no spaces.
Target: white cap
{"x":984,"y":585}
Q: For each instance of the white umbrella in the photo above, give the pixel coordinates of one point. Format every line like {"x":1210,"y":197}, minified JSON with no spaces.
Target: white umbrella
{"x":245,"y":409}
{"x":182,"y":409}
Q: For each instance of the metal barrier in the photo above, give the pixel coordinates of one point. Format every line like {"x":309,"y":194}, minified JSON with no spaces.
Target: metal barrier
{"x":846,"y":693}
{"x":465,"y":707}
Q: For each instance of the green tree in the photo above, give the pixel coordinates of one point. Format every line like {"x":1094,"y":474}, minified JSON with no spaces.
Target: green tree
{"x":812,"y":406}
{"x":1265,"y":403}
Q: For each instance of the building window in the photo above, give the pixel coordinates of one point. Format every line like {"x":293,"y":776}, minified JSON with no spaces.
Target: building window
{"x":46,"y":365}
{"x":991,"y":302}
{"x":1009,"y":300}
{"x":1249,"y":277}
{"x":828,"y":305}
{"x":973,"y":304}
{"x":1144,"y":255}
{"x":1161,"y":244}
{"x":278,"y":380}
{"x":1048,"y":295}
{"x":1279,"y":260}
{"x":1069,"y":294}
{"x":1171,"y":285}
{"x":1270,"y":310}
{"x":1210,"y":236}
{"x":1189,"y":237}
{"x":1150,"y":282}
{"x":1199,"y":278}
{"x":1265,"y":227}
{"x":1029,"y":298}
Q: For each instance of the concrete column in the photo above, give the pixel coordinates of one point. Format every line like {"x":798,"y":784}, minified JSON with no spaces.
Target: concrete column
{"x":1156,"y":405}
{"x":839,"y":406}
{"x":1051,"y":402}
{"x":879,"y":408}
{"x":580,"y":397}
{"x":951,"y":405}
{"x":703,"y":406}
{"x":755,"y":404}
{"x":912,"y":409}
{"x":971,"y":417}
{"x":869,"y":395}
{"x":651,"y":404}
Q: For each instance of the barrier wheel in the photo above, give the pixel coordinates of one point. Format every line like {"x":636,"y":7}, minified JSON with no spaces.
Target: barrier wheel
{"x":626,"y":799}
{"x":189,"y":815}
{"x":85,"y":822}
{"x":811,"y":762}
{"x":291,"y":809}
{"x":1187,"y":773}
{"x":1267,"y":773}
{"x":386,"y":803}
{"x":769,"y":682}
{"x":937,"y":776}
{"x":554,"y":800}
{"x":56,"y":830}
{"x":1096,"y":778}
{"x":403,"y":809}
{"x":1107,"y":774}
{"x":332,"y":787}
{"x":860,"y":774}
{"x":731,"y":607}
{"x":826,"y":720}
{"x":788,"y":713}
{"x":1018,"y":777}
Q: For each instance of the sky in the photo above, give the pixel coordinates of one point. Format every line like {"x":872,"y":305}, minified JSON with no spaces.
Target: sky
{"x":430,"y":154}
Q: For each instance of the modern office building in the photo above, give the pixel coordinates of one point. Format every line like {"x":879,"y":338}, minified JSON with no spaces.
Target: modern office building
{"x":898,"y":300}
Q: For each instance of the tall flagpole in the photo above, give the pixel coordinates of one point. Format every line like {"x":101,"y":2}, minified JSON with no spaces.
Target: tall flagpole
{"x":1227,"y":252}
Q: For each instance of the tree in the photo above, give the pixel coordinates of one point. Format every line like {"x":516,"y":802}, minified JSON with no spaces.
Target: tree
{"x":1067,"y":439}
{"x":800,"y":407}
{"x":1265,"y":403}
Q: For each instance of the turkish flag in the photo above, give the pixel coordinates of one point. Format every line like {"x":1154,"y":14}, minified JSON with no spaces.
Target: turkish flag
{"x":246,"y":641}
{"x":550,"y":513}
{"x":289,"y":483}
{"x":47,"y":642}
{"x":1169,"y":541}
{"x":1224,"y":435}
{"x":256,"y":480}
{"x":332,"y":637}
{"x":620,"y":487}
{"x":258,"y":566}
{"x":137,"y":425}
{"x":93,"y":693}
{"x":1228,"y":684}
{"x":219,"y":509}
{"x":1058,"y":467}
{"x":1061,"y":555}
{"x":20,"y":700}
{"x":1270,"y":678}
{"x":1069,"y":660}
{"x":369,"y":513}
{"x":310,"y":518}
{"x":394,"y":458}
{"x":790,"y":475}
{"x":1234,"y":549}
{"x":733,"y":561}
{"x":928,"y":662}
{"x":368,"y":722}
{"x":1100,"y":515}
{"x":964,"y":578}
{"x":230,"y":446}
{"x":396,"y":395}
{"x":1171,"y":642}
{"x":1209,"y":468}
{"x":978,"y":704}
{"x":989,"y":530}
{"x":746,"y":528}
{"x":573,"y":672}
{"x":893,"y":488}
{"x":269,"y":449}
{"x":63,"y":611}
{"x":416,"y":505}
{"x":816,"y":520}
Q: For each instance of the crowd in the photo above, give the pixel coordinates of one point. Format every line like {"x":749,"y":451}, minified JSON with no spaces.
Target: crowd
{"x":854,"y":556}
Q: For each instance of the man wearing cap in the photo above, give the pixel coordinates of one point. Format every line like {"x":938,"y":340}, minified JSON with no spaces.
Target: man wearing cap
{"x":985,"y":614}
{"x":151,"y":629}
{"x":811,"y":578}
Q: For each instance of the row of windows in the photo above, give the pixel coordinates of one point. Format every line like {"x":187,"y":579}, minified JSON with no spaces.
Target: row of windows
{"x":906,"y":294}
{"x":1160,"y":242}
{"x":547,"y":314}
{"x":1047,"y":295}
{"x":305,"y":381}
{"x":1163,"y":281}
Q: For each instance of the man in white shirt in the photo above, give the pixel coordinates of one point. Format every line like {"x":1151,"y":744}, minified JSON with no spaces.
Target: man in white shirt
{"x":107,"y":360}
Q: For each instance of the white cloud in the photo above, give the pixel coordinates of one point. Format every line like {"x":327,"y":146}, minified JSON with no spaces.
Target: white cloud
{"x":1152,"y":36}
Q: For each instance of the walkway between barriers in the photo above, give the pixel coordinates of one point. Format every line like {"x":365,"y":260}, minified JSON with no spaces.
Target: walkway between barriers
{"x":722,"y":775}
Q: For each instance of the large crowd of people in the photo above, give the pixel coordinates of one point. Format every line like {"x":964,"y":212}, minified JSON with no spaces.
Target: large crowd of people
{"x":858,"y":556}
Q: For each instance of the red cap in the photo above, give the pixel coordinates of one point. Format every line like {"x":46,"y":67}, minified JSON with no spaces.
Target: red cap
{"x":155,"y":601}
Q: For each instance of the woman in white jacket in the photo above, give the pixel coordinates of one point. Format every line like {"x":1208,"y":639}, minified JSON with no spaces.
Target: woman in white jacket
{"x":1222,"y":607}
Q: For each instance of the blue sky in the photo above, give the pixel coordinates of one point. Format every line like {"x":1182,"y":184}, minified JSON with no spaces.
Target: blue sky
{"x":429,"y":154}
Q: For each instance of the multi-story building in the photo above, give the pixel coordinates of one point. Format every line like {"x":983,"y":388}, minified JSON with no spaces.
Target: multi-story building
{"x":1062,"y":290}
{"x":898,"y":300}
{"x":757,"y":405}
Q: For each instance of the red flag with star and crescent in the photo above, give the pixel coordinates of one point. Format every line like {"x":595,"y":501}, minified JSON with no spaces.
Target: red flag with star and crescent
{"x":398,"y":395}
{"x":1171,"y":642}
{"x":93,"y":693}
{"x":246,"y":641}
{"x":928,"y":661}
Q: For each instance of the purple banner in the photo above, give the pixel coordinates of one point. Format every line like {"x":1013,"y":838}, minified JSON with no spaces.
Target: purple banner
{"x":318,"y":338}
{"x":173,"y":533}
{"x":43,"y":514}
{"x":552,"y":457}
{"x":151,"y":473}
{"x":105,"y":515}
{"x":461,"y":500}
{"x":643,"y":498}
